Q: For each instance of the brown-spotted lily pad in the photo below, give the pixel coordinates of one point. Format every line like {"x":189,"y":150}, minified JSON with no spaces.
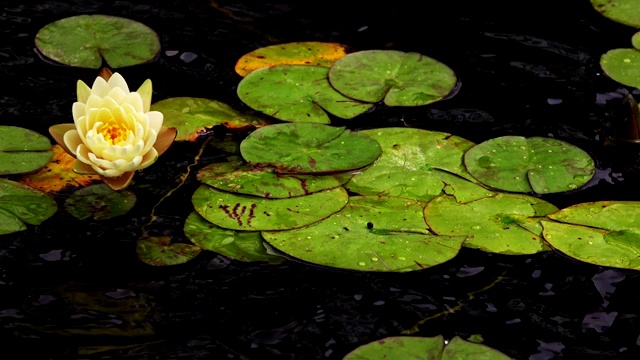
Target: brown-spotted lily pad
{"x":372,"y":233}
{"x":160,"y":251}
{"x":539,"y":164}
{"x":623,"y":11}
{"x":99,"y":202}
{"x":245,"y":212}
{"x":297,"y":93}
{"x":305,"y":148}
{"x":401,"y":79}
{"x":505,"y":224}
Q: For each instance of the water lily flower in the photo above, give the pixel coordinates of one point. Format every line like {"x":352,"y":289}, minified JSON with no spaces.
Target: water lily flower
{"x":114,"y":132}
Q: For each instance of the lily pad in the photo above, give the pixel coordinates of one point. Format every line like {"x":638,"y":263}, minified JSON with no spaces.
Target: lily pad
{"x":297,"y":93}
{"x":58,"y":174}
{"x":99,"y":202}
{"x":193,"y":116}
{"x":244,"y":212}
{"x":237,"y":177}
{"x":20,"y":205}
{"x":424,"y":348}
{"x":22,"y":150}
{"x":418,"y":164}
{"x":622,"y":11}
{"x":309,"y":148}
{"x":372,"y":233}
{"x":622,"y":65}
{"x":635,"y":40}
{"x":518,"y":164}
{"x":84,"y":40}
{"x":505,"y":224}
{"x":605,"y":233}
{"x":159,"y":251}
{"x":301,"y":53}
{"x":401,"y":79}
{"x":239,"y":245}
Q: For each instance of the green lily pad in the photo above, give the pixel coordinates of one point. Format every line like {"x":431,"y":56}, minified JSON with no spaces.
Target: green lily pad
{"x":20,"y":205}
{"x":239,"y":245}
{"x":424,"y":348}
{"x":193,"y":116}
{"x":302,"y":53}
{"x":372,"y":233}
{"x":22,"y":150}
{"x":622,"y":11}
{"x":309,"y":148}
{"x":159,"y":251}
{"x":635,"y":40}
{"x":505,"y":224}
{"x":99,"y":202}
{"x":605,"y":233}
{"x":84,"y":40}
{"x":297,"y":93}
{"x":418,"y":164}
{"x":518,"y":164}
{"x":244,"y":212}
{"x":237,"y":177}
{"x":401,"y":79}
{"x":622,"y":65}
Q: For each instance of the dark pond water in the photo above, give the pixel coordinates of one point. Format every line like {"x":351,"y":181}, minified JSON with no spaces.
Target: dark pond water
{"x":75,"y":290}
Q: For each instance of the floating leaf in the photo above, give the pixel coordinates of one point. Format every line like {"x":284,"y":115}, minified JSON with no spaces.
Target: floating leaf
{"x":243,"y":212}
{"x":309,"y":148}
{"x":301,"y":53}
{"x":159,"y":251}
{"x":239,"y":245}
{"x":22,"y":150}
{"x":401,"y":79}
{"x":20,"y":204}
{"x":58,"y":174}
{"x":505,"y":224}
{"x":417,"y":164}
{"x":622,"y":11}
{"x":237,"y":177}
{"x":543,"y":165}
{"x":297,"y":93}
{"x":622,"y":65}
{"x":605,"y":233}
{"x":635,"y":40}
{"x":193,"y":116}
{"x":423,"y":348}
{"x":99,"y":202}
{"x":84,"y":40}
{"x":372,"y":233}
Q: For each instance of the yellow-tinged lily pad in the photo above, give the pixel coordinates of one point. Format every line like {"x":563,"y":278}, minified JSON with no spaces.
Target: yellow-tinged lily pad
{"x":85,"y":40}
{"x":371,"y":233}
{"x":505,"y":224}
{"x":605,"y":233}
{"x":193,"y":116}
{"x":244,"y":246}
{"x":22,"y":150}
{"x":300,"y":53}
{"x":20,"y":205}
{"x":297,"y":93}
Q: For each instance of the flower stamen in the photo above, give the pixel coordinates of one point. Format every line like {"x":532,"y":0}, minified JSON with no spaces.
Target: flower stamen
{"x":114,"y":131}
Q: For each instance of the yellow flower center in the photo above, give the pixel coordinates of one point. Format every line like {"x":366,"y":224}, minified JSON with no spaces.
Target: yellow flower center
{"x":114,"y":131}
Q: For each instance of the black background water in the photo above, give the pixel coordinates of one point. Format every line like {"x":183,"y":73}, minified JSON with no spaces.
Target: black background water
{"x":75,"y":290}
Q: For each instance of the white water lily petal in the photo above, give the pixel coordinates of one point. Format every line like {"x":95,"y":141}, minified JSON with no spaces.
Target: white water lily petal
{"x":117,"y":81}
{"x":145,"y":92}
{"x":149,"y":158}
{"x":156,"y":119}
{"x":72,"y":140}
{"x":83,"y":91}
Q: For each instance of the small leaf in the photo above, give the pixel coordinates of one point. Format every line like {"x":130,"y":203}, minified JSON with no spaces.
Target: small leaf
{"x":301,"y":53}
{"x":518,"y":164}
{"x":243,"y":212}
{"x":622,"y":65}
{"x":99,"y":202}
{"x":193,"y":116}
{"x":21,"y":204}
{"x":371,"y":233}
{"x":84,"y":40}
{"x":159,"y":251}
{"x":297,"y":93}
{"x":239,"y":245}
{"x":22,"y":150}
{"x":401,"y":79}
{"x":309,"y":148}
